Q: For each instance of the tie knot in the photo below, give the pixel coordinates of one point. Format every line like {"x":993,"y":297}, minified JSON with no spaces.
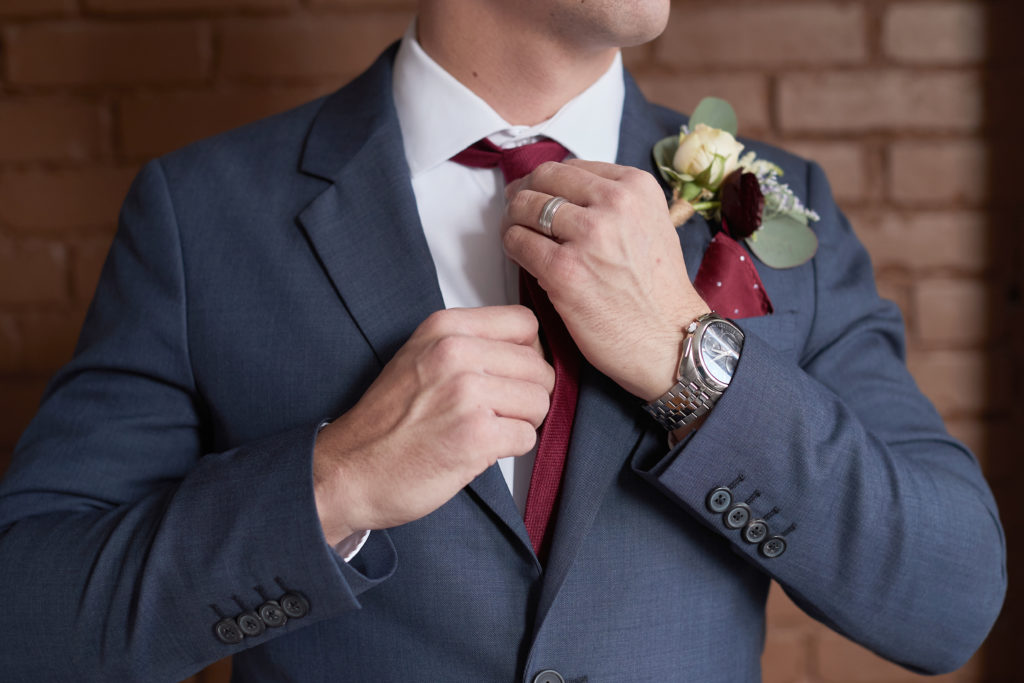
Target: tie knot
{"x":514,"y":162}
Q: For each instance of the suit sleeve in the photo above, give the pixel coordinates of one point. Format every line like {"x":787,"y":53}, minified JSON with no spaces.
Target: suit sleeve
{"x":889,"y":533}
{"x":123,"y":540}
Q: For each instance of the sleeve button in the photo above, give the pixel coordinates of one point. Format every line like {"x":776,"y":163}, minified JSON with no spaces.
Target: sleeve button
{"x":719,"y":500}
{"x":755,"y":531}
{"x":250,"y":623}
{"x":272,"y":614}
{"x":294,"y":605}
{"x":227,"y":632}
{"x":773,"y":547}
{"x":737,"y":516}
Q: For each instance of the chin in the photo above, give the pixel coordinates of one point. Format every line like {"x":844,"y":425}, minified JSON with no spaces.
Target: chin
{"x":619,"y":23}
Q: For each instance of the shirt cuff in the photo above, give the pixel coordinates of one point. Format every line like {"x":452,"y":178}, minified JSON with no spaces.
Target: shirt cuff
{"x":350,"y":547}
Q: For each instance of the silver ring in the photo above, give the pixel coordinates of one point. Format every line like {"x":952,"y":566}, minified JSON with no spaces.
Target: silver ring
{"x":547,"y":214}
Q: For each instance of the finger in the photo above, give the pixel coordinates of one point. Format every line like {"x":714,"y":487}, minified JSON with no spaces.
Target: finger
{"x":525,"y":207}
{"x":602,"y":168}
{"x":456,"y":354}
{"x":531,"y":250}
{"x":516,"y":361}
{"x":580,"y":186}
{"x":513,"y":437}
{"x":515,"y":324}
{"x":516,"y":399}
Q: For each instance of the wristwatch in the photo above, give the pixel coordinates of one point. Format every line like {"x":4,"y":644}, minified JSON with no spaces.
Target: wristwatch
{"x":710,"y":352}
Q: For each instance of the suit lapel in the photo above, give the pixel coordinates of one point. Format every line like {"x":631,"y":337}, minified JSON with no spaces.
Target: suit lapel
{"x":366,"y":231}
{"x":608,"y":421}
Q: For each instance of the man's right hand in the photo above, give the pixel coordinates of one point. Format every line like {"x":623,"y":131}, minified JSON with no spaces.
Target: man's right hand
{"x":468,"y":387}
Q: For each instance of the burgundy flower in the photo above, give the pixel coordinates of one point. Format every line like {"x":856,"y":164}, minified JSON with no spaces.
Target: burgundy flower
{"x":742,"y":203}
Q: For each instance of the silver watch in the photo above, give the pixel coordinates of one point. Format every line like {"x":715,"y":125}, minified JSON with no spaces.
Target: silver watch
{"x":710,"y":352}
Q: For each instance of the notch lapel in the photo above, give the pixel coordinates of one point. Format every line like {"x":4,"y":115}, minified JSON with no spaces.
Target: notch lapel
{"x":365,"y":229}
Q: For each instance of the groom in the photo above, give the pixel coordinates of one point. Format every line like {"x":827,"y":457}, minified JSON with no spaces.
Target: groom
{"x":301,"y":426}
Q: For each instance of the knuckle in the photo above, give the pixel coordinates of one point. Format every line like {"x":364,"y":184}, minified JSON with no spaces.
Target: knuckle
{"x":519,"y":204}
{"x":616,"y":196}
{"x":465,"y":390}
{"x":436,"y":322}
{"x":563,"y":264}
{"x":449,"y":349}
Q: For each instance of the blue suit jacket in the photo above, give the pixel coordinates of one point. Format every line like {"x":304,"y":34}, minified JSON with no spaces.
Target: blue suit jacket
{"x":258,"y":283}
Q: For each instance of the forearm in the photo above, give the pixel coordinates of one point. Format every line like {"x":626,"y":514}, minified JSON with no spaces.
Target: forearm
{"x":891,"y":535}
{"x":139,"y":585}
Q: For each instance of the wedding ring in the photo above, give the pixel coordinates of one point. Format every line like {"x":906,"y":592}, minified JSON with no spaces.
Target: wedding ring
{"x":547,"y":214}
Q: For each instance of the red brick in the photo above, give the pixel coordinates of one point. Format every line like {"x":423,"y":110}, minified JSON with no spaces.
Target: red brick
{"x":952,"y":312}
{"x":306,"y":48}
{"x":950,"y":240}
{"x":218,"y":672}
{"x":32,"y":273}
{"x":748,"y":93}
{"x":936,"y":32}
{"x":143,"y":6}
{"x":154,"y":124}
{"x":957,"y":382}
{"x":845,"y":163}
{"x":938,"y":173}
{"x":785,"y":657}
{"x":37,"y":128}
{"x":765,"y":34}
{"x":880,"y":100}
{"x":840,"y":660}
{"x":973,"y":433}
{"x":19,"y":401}
{"x":119,"y":53}
{"x":63,"y":201}
{"x":782,"y":612}
{"x":37,"y":343}
{"x":86,"y":263}
{"x":34,"y":8}
{"x":10,"y":345}
{"x":896,"y":290}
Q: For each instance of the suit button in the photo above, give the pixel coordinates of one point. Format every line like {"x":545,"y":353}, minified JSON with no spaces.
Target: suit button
{"x":272,"y":614}
{"x":773,"y":547}
{"x":294,"y":605}
{"x":737,"y":516}
{"x":227,"y":632}
{"x":755,"y":531}
{"x":719,"y":500}
{"x":250,"y":623}
{"x":549,"y":676}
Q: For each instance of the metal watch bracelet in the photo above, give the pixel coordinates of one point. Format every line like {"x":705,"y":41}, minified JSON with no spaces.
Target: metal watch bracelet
{"x":681,"y":405}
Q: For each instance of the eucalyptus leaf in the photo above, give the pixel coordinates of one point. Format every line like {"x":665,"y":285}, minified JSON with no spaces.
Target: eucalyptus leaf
{"x":664,"y":153}
{"x":716,"y":113}
{"x":783,"y":242}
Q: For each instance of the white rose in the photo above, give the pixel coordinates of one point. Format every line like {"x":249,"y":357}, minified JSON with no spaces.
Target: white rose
{"x":703,"y":147}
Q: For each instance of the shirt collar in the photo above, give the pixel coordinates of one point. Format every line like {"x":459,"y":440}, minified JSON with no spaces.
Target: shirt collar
{"x":440,"y":117}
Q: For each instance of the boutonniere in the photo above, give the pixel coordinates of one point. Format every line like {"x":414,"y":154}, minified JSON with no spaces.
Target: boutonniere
{"x":708,"y":176}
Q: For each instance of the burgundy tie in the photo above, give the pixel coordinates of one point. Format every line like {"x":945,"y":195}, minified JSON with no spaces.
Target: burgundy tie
{"x":728,"y":281}
{"x":554,"y":434}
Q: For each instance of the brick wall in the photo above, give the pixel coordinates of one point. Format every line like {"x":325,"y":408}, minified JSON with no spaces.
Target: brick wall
{"x":910,"y":105}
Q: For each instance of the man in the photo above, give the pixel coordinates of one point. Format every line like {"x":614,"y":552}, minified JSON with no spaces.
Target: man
{"x":180,"y":496}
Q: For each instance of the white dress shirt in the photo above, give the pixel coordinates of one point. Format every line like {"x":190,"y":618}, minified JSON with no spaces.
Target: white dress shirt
{"x":461,"y":207}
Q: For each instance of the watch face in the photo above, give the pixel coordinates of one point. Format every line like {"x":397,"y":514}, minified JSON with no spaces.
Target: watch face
{"x":720,"y":347}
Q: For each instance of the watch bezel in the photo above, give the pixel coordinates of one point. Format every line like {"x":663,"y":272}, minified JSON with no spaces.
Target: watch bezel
{"x":693,"y":356}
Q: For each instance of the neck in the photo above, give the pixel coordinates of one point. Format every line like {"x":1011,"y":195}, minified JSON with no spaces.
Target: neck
{"x":524,"y":73}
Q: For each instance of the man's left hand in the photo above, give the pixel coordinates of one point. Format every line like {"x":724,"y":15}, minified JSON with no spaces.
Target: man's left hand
{"x":612,"y":267}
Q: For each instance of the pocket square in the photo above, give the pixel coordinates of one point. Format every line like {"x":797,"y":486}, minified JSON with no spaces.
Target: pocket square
{"x":728,"y":281}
